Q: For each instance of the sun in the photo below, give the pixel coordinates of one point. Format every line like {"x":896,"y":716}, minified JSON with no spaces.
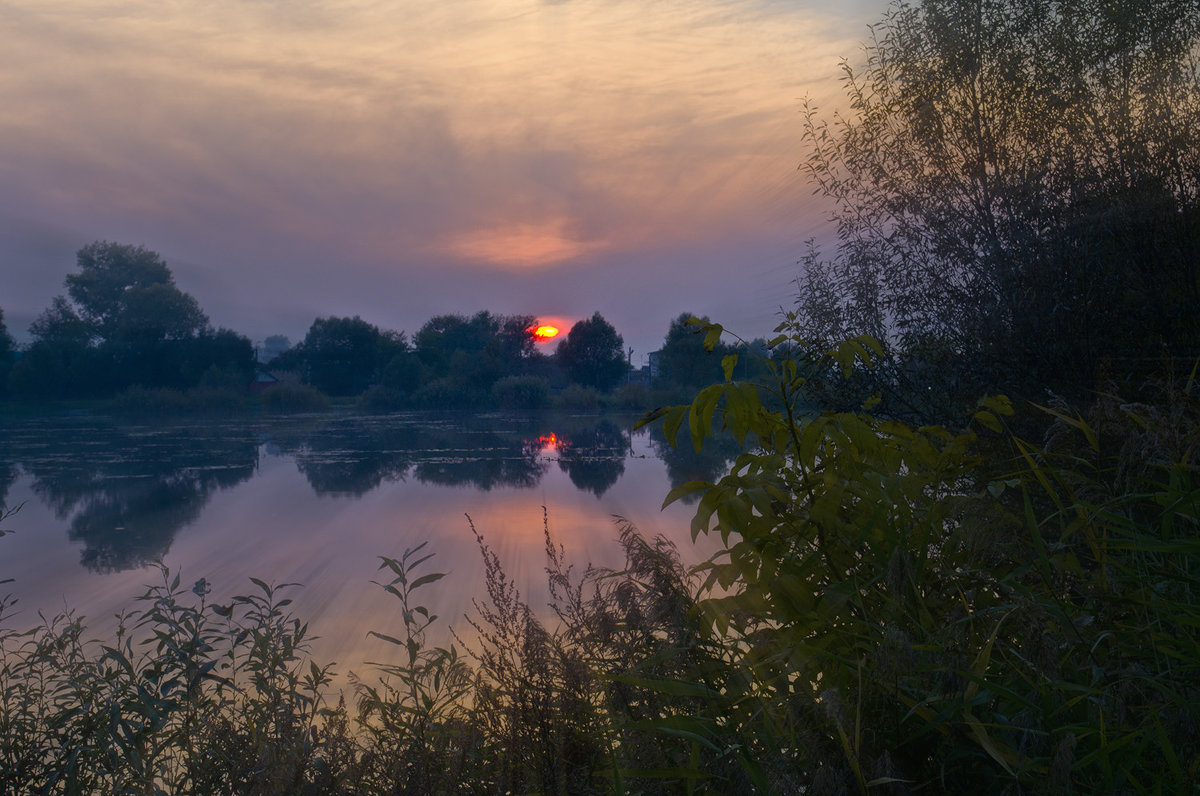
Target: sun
{"x":544,"y":332}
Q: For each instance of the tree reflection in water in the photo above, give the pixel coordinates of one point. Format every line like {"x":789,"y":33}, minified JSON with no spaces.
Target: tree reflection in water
{"x":125,"y":491}
{"x":593,"y":457}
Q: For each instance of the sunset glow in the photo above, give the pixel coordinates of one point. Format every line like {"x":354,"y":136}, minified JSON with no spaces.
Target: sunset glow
{"x":544,"y":333}
{"x":478,"y":154}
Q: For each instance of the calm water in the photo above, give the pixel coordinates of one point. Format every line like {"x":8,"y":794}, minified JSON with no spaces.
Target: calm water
{"x":316,"y":500}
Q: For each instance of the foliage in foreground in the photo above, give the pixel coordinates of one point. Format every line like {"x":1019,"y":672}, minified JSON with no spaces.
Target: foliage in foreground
{"x":894,"y":610}
{"x":907,"y":613}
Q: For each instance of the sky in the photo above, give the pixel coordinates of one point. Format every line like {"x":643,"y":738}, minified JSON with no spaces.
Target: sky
{"x":397,"y":159}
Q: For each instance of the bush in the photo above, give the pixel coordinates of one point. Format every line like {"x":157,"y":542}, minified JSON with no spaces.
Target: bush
{"x":188,"y":697}
{"x":577,"y":398}
{"x":165,"y":401}
{"x":895,"y":607}
{"x":440,"y":394}
{"x":521,"y":393}
{"x":378,"y":398}
{"x":633,"y":398}
{"x":293,"y":398}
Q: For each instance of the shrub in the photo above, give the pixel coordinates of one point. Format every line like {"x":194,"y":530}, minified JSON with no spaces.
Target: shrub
{"x":521,"y":393}
{"x":442,"y":393}
{"x":577,"y":398}
{"x":188,"y":696}
{"x":897,"y":608}
{"x":163,"y":400}
{"x":293,"y":398}
{"x":633,"y":398}
{"x":378,"y":398}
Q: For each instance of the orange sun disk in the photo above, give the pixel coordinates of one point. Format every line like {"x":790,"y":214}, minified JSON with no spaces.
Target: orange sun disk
{"x":543,"y":333}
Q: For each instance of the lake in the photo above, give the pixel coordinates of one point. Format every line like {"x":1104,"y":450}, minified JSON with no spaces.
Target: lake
{"x":316,"y":499}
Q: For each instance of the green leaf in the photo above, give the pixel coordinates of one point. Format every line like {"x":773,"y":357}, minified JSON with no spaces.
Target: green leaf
{"x":683,"y":688}
{"x":728,"y":363}
{"x":989,"y":421}
{"x":387,"y":638}
{"x":712,"y":336}
{"x":430,"y":578}
{"x":683,"y":489}
{"x":701,"y":413}
{"x":671,"y":423}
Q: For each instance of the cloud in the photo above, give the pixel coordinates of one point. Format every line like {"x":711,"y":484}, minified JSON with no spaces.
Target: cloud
{"x":404,"y":143}
{"x":523,"y":245}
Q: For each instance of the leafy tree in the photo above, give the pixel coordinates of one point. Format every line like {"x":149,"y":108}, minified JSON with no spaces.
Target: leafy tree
{"x":443,"y":335}
{"x":7,"y":353}
{"x":126,"y":324}
{"x":469,"y":355}
{"x":62,"y":360}
{"x":128,"y":292}
{"x":1016,"y":193}
{"x":223,"y":359}
{"x":593,"y":353}
{"x":343,"y":356}
{"x":684,"y":359}
{"x":504,"y":340}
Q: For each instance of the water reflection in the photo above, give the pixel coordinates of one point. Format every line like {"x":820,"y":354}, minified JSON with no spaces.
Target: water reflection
{"x":125,"y":491}
{"x":594,"y":457}
{"x":349,"y":456}
{"x":317,"y":500}
{"x":685,"y":463}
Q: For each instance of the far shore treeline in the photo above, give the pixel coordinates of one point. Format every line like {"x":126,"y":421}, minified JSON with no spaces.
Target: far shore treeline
{"x":126,"y":332}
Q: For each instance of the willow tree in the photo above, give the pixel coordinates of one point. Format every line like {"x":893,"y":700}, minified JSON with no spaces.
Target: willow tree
{"x":1016,"y":188}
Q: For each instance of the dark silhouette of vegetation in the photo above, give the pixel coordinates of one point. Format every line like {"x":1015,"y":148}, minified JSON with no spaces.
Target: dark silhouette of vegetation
{"x":125,"y":329}
{"x":125,"y":325}
{"x":684,"y":360}
{"x":8,"y":351}
{"x":342,"y":356}
{"x":461,"y":359}
{"x":287,"y":398}
{"x":1017,"y":198}
{"x":686,"y":363}
{"x":593,"y":354}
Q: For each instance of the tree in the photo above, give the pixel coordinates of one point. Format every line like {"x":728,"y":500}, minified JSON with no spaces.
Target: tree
{"x":62,"y":361}
{"x":343,"y":356}
{"x":684,"y":360}
{"x":126,"y":292}
{"x":593,"y":354}
{"x":1016,"y":189}
{"x":221,"y":359}
{"x":467,"y":356}
{"x":443,"y":335}
{"x":126,"y":323}
{"x":8,"y":349}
